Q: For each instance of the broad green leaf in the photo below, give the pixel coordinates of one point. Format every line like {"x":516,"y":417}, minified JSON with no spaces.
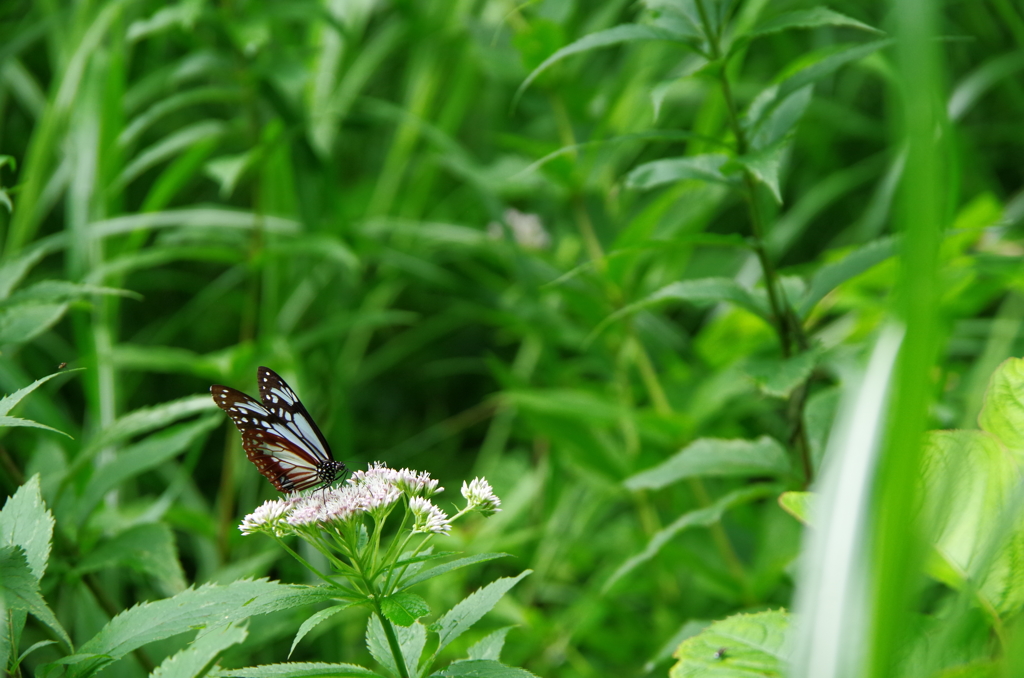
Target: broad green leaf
{"x":738,"y":646}
{"x":707,"y":167}
{"x":704,"y":517}
{"x":778,"y":377}
{"x":457,"y":620}
{"x":153,"y":451}
{"x":616,"y":35}
{"x":197,"y":657}
{"x":448,"y":567}
{"x":26,"y":522}
{"x":411,"y":641}
{"x":798,"y":505}
{"x":970,"y":481}
{"x":1002,"y":413}
{"x":209,"y":604}
{"x":830,"y":276}
{"x":715,"y":457}
{"x":296,"y":670}
{"x":25,"y":322}
{"x":810,"y":18}
{"x":19,"y":589}
{"x":404,"y":608}
{"x":489,"y":647}
{"x":776,"y":120}
{"x":315,"y":620}
{"x":147,"y":548}
{"x":482,"y":668}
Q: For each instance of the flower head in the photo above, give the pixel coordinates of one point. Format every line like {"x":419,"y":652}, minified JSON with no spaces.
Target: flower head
{"x":269,"y":517}
{"x":480,"y":496}
{"x":428,"y":517}
{"x":415,"y":484}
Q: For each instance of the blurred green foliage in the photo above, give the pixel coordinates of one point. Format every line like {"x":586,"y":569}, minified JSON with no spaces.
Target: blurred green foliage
{"x":620,"y":258}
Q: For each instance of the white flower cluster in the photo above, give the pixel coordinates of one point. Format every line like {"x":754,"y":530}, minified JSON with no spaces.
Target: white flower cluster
{"x":481,"y":497}
{"x":374,"y":491}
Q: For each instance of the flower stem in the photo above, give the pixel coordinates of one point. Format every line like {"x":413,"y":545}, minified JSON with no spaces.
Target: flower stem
{"x":389,"y":631}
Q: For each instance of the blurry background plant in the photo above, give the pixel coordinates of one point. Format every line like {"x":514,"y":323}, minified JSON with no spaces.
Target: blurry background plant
{"x":618,"y":258}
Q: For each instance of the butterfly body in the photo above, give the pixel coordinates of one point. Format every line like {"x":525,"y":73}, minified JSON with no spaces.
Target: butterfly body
{"x":278,"y":434}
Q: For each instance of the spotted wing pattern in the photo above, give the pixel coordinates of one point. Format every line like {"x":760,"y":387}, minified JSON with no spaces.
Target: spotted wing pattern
{"x":278,"y":435}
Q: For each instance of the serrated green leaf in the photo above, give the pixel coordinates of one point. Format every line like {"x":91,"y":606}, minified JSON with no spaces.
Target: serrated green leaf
{"x":296,"y":670}
{"x":489,"y":647}
{"x":411,"y":640}
{"x":741,"y":645}
{"x":797,"y":504}
{"x":194,"y":660}
{"x":448,"y":567}
{"x":148,"y":548}
{"x":616,"y":35}
{"x":9,"y":402}
{"x":482,"y":668}
{"x":20,"y":591}
{"x":830,"y":276}
{"x":404,"y":608}
{"x":16,"y":422}
{"x":700,"y":518}
{"x":460,"y":618}
{"x":810,"y":18}
{"x":1002,"y":412}
{"x":314,"y":621}
{"x":706,"y":167}
{"x":715,"y":457}
{"x":209,"y":604}
{"x":26,"y":522}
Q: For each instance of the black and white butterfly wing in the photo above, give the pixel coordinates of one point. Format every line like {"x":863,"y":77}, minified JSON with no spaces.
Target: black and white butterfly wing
{"x":276,"y":438}
{"x":280,"y":400}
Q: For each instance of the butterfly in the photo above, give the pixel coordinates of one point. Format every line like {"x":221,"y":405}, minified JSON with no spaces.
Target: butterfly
{"x":278,"y":434}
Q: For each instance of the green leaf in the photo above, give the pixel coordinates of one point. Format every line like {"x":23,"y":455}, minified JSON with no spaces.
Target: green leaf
{"x":9,"y":402}
{"x":741,"y":645}
{"x":765,"y":165}
{"x":1002,"y":412}
{"x":831,"y":276}
{"x":19,"y":589}
{"x":296,"y":670}
{"x":779,"y":377}
{"x":715,"y":457}
{"x":147,"y":548}
{"x":457,"y":620}
{"x":404,"y":608}
{"x":482,"y":668}
{"x":411,"y":640}
{"x":26,"y":522}
{"x":140,"y":457}
{"x":616,"y":35}
{"x":970,"y":484}
{"x":797,"y":504}
{"x":24,"y":322}
{"x":489,"y":647}
{"x":704,"y":517}
{"x":207,"y":605}
{"x":700,"y":291}
{"x":194,"y":660}
{"x":448,"y":567}
{"x":810,"y":18}
{"x":316,"y":619}
{"x":706,"y":167}
{"x":60,"y":291}
{"x":14,"y":422}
